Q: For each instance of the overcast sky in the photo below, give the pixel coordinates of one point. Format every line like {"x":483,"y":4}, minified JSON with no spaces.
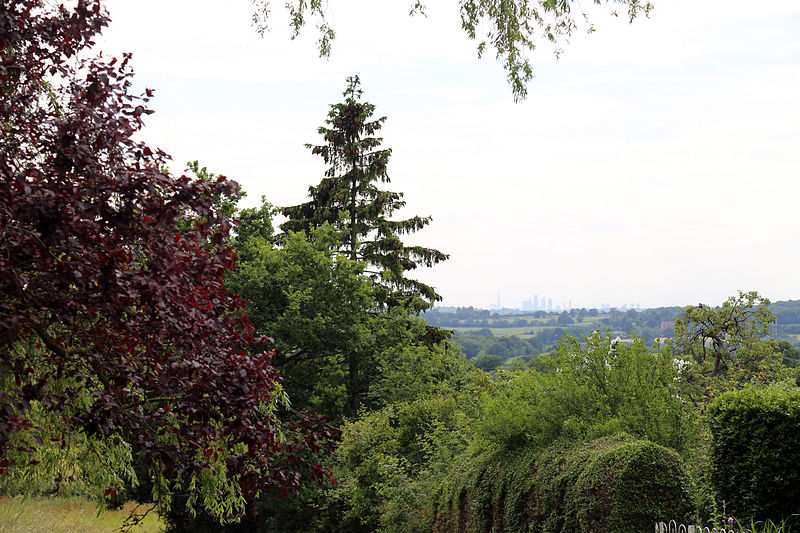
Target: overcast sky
{"x":656,"y":163}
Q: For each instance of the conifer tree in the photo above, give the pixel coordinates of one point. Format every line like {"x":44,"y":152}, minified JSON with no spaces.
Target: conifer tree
{"x":349,"y":198}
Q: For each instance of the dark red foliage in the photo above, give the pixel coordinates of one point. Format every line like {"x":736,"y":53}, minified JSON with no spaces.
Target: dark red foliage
{"x":115,"y":268}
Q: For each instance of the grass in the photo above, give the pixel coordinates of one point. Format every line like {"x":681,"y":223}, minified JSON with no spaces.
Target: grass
{"x":499,"y":332}
{"x":526,"y":331}
{"x":36,"y":514}
{"x":763,"y":527}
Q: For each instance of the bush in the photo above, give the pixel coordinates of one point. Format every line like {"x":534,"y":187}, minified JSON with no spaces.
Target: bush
{"x":618,"y":484}
{"x":488,"y":362}
{"x":383,"y":454}
{"x":755,"y":452}
{"x":586,"y":390}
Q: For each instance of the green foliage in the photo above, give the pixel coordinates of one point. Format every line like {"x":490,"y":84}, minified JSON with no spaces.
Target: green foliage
{"x":341,"y":354}
{"x":489,"y":353}
{"x":726,"y":348}
{"x":789,"y":354}
{"x":385,"y":452}
{"x":48,"y":457}
{"x":407,"y":370}
{"x":756,"y":452}
{"x":723,"y":349}
{"x":612,"y":485}
{"x":768,"y":526}
{"x":787,"y":312}
{"x":255,"y":227}
{"x":617,"y":484}
{"x":476,"y":345}
{"x":564,"y":319}
{"x":334,"y":349}
{"x":488,"y":363}
{"x":388,"y":458}
{"x":226,"y":203}
{"x":511,"y":27}
{"x":483,"y":332}
{"x":314,"y":304}
{"x":588,"y":389}
{"x":728,"y":339}
{"x":391,"y":458}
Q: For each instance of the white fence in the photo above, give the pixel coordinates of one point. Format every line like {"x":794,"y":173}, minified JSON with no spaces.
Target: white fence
{"x":673,"y":527}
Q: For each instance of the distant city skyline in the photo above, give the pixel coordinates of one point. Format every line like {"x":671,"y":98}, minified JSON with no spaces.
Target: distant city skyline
{"x":544,"y":302}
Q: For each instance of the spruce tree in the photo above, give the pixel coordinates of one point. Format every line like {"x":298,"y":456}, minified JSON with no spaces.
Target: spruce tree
{"x":349,"y":198}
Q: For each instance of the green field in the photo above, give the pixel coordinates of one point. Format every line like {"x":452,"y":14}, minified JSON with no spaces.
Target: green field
{"x":521,"y":331}
{"x":529,"y":330}
{"x":68,"y":515}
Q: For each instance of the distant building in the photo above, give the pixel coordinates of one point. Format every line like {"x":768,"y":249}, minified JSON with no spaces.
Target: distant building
{"x":666,"y":324}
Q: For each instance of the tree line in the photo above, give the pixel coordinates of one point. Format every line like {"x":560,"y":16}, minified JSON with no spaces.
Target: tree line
{"x":652,"y":324}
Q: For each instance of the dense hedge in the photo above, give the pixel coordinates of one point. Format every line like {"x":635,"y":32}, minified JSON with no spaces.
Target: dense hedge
{"x":617,"y":484}
{"x":756,"y":454}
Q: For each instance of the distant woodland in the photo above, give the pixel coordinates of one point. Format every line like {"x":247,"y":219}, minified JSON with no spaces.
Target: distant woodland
{"x":491,"y":339}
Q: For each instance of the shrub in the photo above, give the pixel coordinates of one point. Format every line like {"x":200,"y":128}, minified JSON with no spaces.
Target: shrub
{"x":586,"y":390}
{"x":382,"y":456}
{"x":618,"y":484}
{"x":488,"y":362}
{"x":755,"y":453}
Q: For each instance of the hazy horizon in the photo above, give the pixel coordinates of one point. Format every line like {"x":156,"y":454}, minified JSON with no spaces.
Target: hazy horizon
{"x":654,"y":163}
{"x":625,"y":306}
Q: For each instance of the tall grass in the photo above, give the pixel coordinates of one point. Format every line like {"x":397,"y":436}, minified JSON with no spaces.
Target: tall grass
{"x":764,"y":527}
{"x":37,"y":514}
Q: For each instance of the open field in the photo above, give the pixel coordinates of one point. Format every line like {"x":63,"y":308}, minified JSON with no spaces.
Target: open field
{"x":524,"y":330}
{"x":36,"y":514}
{"x":528,"y":331}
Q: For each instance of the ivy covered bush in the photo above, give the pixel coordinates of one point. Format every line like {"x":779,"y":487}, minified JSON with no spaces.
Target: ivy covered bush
{"x":618,"y":484}
{"x":756,"y":453}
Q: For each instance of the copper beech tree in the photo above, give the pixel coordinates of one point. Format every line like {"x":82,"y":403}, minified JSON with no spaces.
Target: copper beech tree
{"x":117,"y":335}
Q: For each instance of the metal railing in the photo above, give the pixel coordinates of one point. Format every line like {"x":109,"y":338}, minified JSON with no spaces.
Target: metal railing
{"x":674,"y":527}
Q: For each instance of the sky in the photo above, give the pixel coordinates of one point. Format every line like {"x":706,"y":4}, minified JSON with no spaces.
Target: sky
{"x":654,"y":163}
